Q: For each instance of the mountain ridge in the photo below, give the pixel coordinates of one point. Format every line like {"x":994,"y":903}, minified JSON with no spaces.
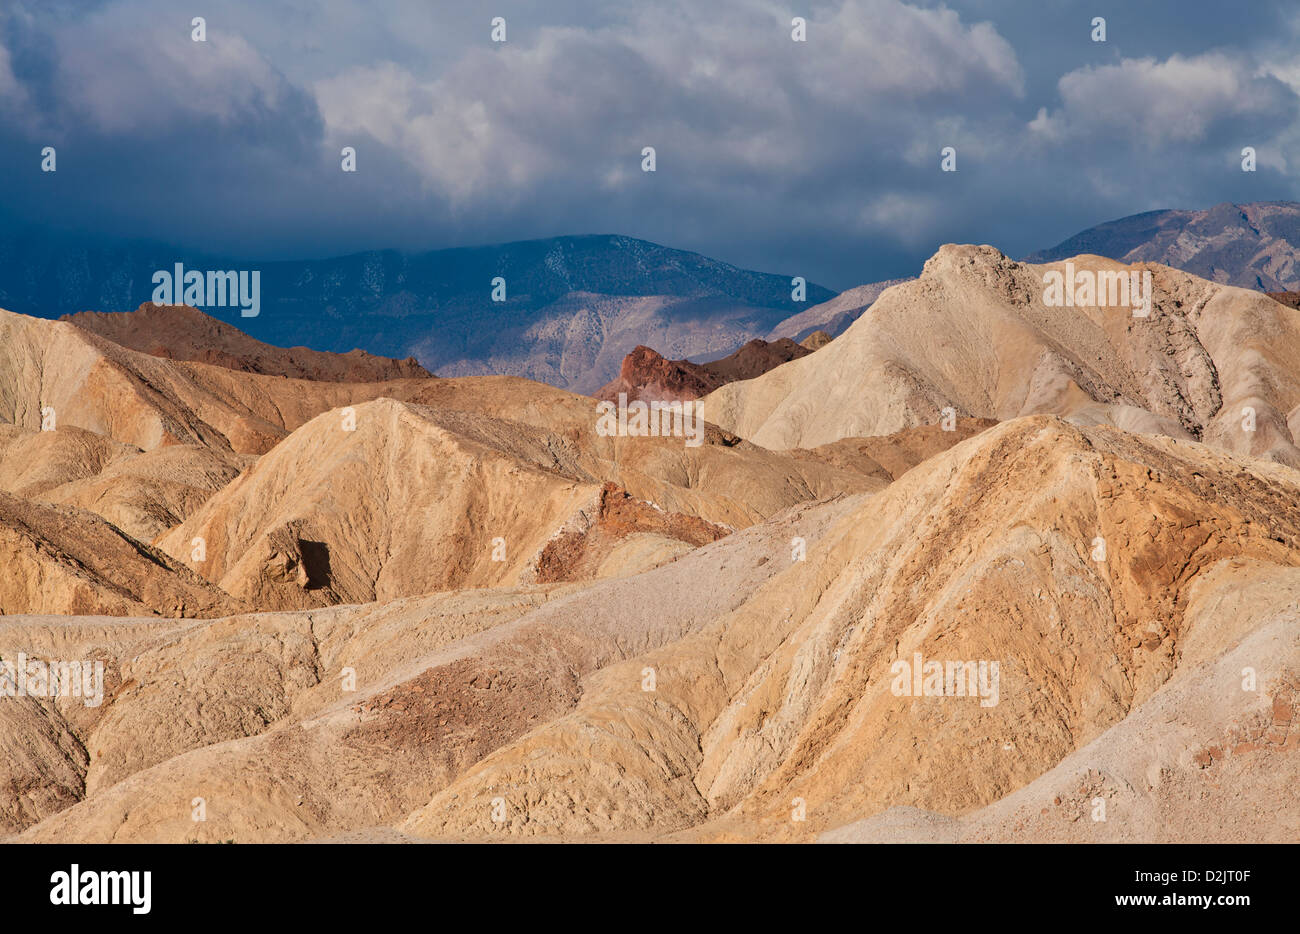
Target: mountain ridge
{"x":1255,"y":245}
{"x":572,"y":306}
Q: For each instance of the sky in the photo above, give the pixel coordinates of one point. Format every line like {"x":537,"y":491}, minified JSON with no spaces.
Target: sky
{"x":819,"y":158}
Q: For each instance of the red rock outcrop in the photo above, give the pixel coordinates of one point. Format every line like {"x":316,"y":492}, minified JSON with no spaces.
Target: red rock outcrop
{"x":648,"y":375}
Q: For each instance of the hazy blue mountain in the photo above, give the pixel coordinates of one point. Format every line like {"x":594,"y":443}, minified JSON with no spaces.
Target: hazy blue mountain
{"x":1254,"y":246}
{"x":574,"y":305}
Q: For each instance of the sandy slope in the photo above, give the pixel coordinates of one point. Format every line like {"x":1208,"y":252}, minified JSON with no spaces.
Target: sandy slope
{"x":394,"y":498}
{"x":772,"y":676}
{"x":983,"y":552}
{"x":972,"y":333}
{"x":85,"y":381}
{"x":143,"y":493}
{"x":440,"y":681}
{"x":60,"y":559}
{"x":1204,"y":760}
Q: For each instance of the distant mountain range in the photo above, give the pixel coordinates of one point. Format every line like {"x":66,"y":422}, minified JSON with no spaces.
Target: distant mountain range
{"x":575,"y":306}
{"x":572,"y":308}
{"x":1253,"y":246}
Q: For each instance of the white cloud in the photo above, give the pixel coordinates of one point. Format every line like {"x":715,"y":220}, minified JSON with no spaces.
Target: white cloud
{"x":908,"y":217}
{"x":770,"y":152}
{"x":132,"y":68}
{"x":160,"y":75}
{"x":1156,"y":103}
{"x":9,"y":86}
{"x":888,"y":46}
{"x":729,"y":97}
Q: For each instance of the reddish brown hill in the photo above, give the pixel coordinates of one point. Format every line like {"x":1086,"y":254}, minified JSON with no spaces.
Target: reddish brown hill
{"x":1291,"y":299}
{"x":647,"y":374}
{"x":756,"y":358}
{"x":179,"y":332}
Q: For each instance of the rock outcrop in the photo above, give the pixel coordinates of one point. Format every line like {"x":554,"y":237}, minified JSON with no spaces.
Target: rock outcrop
{"x":647,"y":376}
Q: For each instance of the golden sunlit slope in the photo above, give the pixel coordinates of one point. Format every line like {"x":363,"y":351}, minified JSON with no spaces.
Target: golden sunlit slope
{"x":755,"y":678}
{"x":973,"y":334}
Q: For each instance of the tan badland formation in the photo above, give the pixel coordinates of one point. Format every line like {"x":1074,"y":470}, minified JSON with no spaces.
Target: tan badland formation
{"x":53,"y":369}
{"x":816,"y":340}
{"x":973,"y":333}
{"x":414,"y":500}
{"x":397,"y":499}
{"x":58,"y":559}
{"x":772,"y":678}
{"x":681,"y":643}
{"x":143,"y":493}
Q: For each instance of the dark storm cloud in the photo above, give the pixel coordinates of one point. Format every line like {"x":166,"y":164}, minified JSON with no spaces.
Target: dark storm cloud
{"x":820,"y":158}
